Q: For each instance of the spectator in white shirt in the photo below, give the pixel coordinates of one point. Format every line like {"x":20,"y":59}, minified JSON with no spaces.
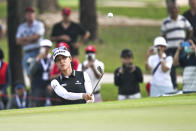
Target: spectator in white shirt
{"x":29,"y":35}
{"x":90,"y":66}
{"x":160,"y":64}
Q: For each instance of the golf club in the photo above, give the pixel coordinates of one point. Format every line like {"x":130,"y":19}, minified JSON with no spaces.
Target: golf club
{"x":100,"y":71}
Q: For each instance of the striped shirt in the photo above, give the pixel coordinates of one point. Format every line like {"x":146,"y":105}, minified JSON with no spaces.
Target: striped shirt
{"x":36,"y":28}
{"x":175,"y":31}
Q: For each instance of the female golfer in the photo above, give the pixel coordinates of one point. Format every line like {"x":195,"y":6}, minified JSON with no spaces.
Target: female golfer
{"x":73,"y":87}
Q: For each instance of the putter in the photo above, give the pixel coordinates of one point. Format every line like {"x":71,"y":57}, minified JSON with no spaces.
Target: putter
{"x":100,"y":71}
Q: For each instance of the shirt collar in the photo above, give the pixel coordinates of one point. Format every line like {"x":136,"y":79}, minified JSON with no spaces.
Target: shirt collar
{"x":73,"y":74}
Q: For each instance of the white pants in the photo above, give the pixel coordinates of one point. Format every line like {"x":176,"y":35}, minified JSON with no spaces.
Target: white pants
{"x":160,"y":90}
{"x":134,"y":96}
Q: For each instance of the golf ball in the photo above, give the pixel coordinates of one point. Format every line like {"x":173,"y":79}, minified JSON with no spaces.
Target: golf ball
{"x":110,"y":15}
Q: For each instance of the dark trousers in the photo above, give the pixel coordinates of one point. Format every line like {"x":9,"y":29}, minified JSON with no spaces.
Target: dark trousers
{"x":171,"y":52}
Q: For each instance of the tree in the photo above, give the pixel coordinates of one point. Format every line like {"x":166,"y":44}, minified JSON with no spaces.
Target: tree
{"x":88,"y":17}
{"x":16,"y":10}
{"x":47,"y":6}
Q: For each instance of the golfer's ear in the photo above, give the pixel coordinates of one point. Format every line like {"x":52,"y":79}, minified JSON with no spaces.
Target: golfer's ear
{"x":70,"y":58}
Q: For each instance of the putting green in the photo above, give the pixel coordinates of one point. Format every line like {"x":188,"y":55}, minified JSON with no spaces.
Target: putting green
{"x":177,"y":113}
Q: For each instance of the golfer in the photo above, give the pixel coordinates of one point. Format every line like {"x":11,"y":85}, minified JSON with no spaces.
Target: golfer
{"x":73,"y":87}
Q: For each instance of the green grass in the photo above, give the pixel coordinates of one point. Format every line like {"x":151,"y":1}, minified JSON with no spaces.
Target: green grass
{"x":149,"y":114}
{"x":109,"y":92}
{"x":138,"y":39}
{"x":150,"y":12}
{"x":3,"y":10}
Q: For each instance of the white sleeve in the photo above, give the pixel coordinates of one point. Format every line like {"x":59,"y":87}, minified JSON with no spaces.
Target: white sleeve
{"x":87,"y":83}
{"x":40,"y":29}
{"x":88,"y":87}
{"x":62,"y":92}
{"x":169,"y":62}
{"x":150,"y":62}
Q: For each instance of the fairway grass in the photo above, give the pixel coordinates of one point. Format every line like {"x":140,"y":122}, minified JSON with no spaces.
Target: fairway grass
{"x":164,"y":113}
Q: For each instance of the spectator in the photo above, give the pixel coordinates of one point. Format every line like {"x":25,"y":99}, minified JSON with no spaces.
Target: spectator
{"x":20,"y":99}
{"x":190,"y":15}
{"x":29,"y":35}
{"x":68,"y":31}
{"x":174,"y":30}
{"x":4,"y":80}
{"x":40,"y":75}
{"x":55,"y":72}
{"x":186,"y":57}
{"x":127,"y":77}
{"x":90,"y":66}
{"x":160,"y":64}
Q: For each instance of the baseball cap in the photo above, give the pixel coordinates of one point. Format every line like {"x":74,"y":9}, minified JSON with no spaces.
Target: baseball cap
{"x":90,"y":48}
{"x":63,"y":44}
{"x":46,"y":42}
{"x":66,"y":11}
{"x":126,"y":53}
{"x":19,"y":86}
{"x":29,"y":9}
{"x":60,"y":51}
{"x":160,"y":41}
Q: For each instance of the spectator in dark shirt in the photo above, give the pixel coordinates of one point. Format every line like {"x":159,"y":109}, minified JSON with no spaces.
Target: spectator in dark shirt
{"x":127,"y":77}
{"x":68,"y":31}
{"x":40,"y":74}
{"x":20,"y":99}
{"x":186,"y":57}
{"x":190,"y":15}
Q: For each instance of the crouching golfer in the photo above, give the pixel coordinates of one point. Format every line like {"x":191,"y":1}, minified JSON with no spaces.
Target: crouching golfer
{"x":72,"y":87}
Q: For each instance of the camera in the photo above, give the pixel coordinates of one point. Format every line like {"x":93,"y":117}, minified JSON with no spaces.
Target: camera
{"x":90,"y":56}
{"x":185,"y":44}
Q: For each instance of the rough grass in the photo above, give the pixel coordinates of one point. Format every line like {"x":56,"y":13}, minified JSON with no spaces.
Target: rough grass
{"x":149,"y":114}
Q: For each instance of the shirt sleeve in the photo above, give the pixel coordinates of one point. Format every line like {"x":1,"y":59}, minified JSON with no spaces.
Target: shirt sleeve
{"x":40,"y":29}
{"x":169,"y":62}
{"x":81,"y":30}
{"x":62,"y":92}
{"x":79,"y":67}
{"x":87,"y":83}
{"x":150,"y":62}
{"x":163,"y":29}
{"x":188,"y":25}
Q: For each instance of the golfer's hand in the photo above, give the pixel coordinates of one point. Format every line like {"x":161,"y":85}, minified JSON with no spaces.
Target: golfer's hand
{"x":87,"y":96}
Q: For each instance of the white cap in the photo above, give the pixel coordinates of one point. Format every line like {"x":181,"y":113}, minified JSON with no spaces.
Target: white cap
{"x":46,"y":42}
{"x":160,"y":41}
{"x":62,"y":52}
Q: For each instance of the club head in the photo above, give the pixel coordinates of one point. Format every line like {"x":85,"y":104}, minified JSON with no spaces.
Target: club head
{"x":100,"y":69}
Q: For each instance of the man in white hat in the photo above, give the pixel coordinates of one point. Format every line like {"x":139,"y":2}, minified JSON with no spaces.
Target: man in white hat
{"x":39,"y":73}
{"x":71,"y":87}
{"x":160,"y":64}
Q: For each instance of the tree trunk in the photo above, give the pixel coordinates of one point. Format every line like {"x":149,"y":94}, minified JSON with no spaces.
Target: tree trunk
{"x":169,"y":3}
{"x":16,"y":13}
{"x":88,"y":17}
{"x":47,"y":6}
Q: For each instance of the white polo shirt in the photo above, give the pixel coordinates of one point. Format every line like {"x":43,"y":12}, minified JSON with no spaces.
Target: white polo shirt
{"x":90,"y":72}
{"x":160,"y":77}
{"x":175,"y":31}
{"x":36,"y":28}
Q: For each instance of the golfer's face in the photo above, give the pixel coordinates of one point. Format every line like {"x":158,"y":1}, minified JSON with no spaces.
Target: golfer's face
{"x":127,"y":60}
{"x":63,"y":62}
